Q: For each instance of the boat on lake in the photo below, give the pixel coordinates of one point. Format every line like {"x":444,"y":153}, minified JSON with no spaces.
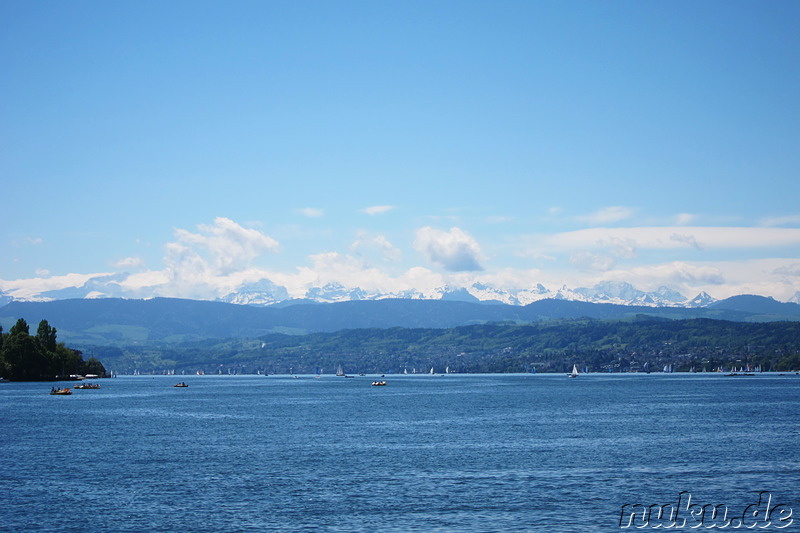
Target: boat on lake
{"x":574,"y":373}
{"x":88,"y":386}
{"x":181,"y":384}
{"x":60,"y":392}
{"x":378,"y":383}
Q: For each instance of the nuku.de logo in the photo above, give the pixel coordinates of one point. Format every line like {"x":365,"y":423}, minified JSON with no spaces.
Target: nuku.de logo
{"x":685,"y":514}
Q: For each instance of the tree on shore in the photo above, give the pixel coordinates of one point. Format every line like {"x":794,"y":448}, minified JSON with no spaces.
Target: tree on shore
{"x":26,"y":357}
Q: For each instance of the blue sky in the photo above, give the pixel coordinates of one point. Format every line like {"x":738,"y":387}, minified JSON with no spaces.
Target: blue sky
{"x":193,"y":147}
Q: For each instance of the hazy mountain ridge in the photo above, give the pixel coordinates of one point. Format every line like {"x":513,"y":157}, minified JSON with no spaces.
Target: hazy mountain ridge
{"x":111,"y":321}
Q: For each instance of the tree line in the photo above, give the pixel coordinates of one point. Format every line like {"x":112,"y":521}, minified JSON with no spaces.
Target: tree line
{"x":40,"y":357}
{"x":552,"y":346}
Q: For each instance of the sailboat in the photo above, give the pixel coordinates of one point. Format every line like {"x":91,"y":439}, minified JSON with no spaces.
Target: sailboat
{"x":431,"y":370}
{"x":340,"y":372}
{"x":574,"y":373}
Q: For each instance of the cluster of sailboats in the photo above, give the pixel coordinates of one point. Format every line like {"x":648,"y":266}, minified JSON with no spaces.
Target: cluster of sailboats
{"x":744,"y":370}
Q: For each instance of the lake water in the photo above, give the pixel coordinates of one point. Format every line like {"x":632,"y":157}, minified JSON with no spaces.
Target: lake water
{"x":455,"y":453}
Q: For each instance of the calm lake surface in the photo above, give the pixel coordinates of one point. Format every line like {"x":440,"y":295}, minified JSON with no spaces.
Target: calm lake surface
{"x":455,"y":453}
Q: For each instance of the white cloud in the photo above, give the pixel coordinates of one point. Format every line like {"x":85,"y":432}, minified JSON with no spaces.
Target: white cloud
{"x":499,"y":219}
{"x":222,"y":247}
{"x":205,"y":264}
{"x":454,"y":250}
{"x":788,"y":270}
{"x":333,"y":267}
{"x":30,"y":288}
{"x":28,"y":241}
{"x":789,"y":220}
{"x":688,"y":239}
{"x":608,"y":215}
{"x":42,"y":272}
{"x":590,"y":261}
{"x":379,"y":242}
{"x":129,"y":263}
{"x":678,"y":236}
{"x":683,"y":219}
{"x":422,"y":279}
{"x":621,"y":247}
{"x":377,"y":209}
{"x":312,"y":212}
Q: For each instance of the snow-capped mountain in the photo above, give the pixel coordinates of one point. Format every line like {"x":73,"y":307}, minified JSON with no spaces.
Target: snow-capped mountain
{"x":263,"y":292}
{"x":266,"y":292}
{"x":620,"y":293}
{"x":701,"y":300}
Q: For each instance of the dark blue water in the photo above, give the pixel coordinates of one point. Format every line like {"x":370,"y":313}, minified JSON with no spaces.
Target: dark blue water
{"x":454,"y":453}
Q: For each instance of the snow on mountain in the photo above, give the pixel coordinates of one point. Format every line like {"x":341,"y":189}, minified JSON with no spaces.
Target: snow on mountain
{"x":459,"y":295}
{"x":263,"y":292}
{"x":5,"y":298}
{"x":267,"y":293}
{"x":701,"y":300}
{"x":336,"y":292}
{"x":623,"y":293}
{"x":97,"y":287}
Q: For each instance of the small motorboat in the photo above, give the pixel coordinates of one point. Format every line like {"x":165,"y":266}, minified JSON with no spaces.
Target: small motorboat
{"x":60,"y":392}
{"x":181,"y":384}
{"x":378,"y":383}
{"x":87,"y":386}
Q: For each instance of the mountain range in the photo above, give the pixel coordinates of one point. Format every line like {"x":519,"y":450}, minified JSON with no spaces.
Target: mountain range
{"x":83,"y":323}
{"x":265,"y":293}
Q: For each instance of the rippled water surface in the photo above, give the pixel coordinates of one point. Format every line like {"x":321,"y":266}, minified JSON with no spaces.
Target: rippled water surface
{"x":455,"y":453}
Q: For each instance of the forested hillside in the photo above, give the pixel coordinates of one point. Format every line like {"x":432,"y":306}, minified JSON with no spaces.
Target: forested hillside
{"x":548,"y":347}
{"x":154,"y":322}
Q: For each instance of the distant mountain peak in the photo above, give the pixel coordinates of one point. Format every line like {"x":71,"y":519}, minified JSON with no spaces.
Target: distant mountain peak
{"x":703,"y":299}
{"x":458,"y":295}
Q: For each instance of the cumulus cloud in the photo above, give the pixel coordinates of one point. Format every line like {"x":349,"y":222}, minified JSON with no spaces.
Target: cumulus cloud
{"x":453,"y":250}
{"x":223,"y":246}
{"x":339,"y":269}
{"x":379,"y":242}
{"x":608,"y":215}
{"x":377,"y":209}
{"x":683,"y":219}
